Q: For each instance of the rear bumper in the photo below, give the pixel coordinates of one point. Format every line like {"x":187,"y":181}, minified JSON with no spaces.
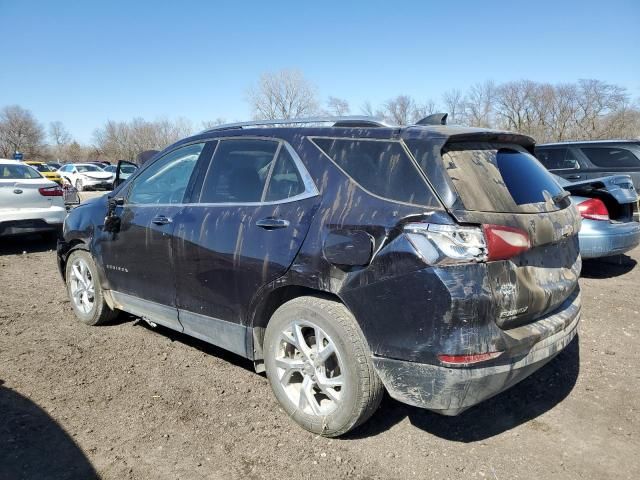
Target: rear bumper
{"x":604,"y":239}
{"x":450,"y":391}
{"x":31,"y":220}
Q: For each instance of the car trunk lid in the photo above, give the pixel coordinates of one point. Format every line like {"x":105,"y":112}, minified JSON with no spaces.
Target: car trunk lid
{"x":22,"y":194}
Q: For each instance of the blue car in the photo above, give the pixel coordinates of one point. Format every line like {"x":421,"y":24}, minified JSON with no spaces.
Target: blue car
{"x":609,"y":210}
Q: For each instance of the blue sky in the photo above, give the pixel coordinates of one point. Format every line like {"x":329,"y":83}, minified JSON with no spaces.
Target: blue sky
{"x":86,"y":62}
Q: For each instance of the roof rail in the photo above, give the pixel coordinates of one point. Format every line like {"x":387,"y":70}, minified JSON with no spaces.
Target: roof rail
{"x":354,"y":121}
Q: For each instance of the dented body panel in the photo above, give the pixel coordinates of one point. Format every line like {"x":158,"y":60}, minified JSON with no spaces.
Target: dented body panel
{"x":224,"y":276}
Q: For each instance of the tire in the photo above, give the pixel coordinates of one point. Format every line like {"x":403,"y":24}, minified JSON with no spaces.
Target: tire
{"x":79,"y":186}
{"x":95,"y":312}
{"x":325,"y":410}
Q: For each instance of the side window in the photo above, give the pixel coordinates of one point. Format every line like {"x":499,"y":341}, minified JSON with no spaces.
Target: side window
{"x":238,"y":172}
{"x":166,"y":180}
{"x":611,"y":157}
{"x":381,"y":167}
{"x":285,"y":181}
{"x":557,"y":158}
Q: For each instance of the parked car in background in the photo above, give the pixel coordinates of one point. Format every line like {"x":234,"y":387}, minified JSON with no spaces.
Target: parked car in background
{"x":125,"y":171}
{"x":345,"y":259}
{"x":55,"y":165}
{"x":609,"y":210}
{"x":99,"y":163}
{"x":29,"y":203}
{"x":86,"y":176}
{"x":578,"y":161}
{"x":46,"y":171}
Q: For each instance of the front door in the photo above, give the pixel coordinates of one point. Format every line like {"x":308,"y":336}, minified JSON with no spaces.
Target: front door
{"x":244,"y":231}
{"x":138,"y":258}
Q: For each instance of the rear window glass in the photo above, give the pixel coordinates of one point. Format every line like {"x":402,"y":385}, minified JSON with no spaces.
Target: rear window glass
{"x":499,"y":178}
{"x":611,"y":157}
{"x":17,"y":172}
{"x":380,"y":167}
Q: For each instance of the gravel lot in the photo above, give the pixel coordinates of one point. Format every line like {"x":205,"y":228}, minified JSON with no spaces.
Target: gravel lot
{"x":128,"y":401}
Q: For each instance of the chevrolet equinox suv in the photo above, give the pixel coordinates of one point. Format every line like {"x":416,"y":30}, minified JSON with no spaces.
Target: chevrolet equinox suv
{"x":437,"y":263}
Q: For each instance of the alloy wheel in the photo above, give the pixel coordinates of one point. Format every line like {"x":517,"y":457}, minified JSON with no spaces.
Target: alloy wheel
{"x":309,"y":368}
{"x":82,"y":286}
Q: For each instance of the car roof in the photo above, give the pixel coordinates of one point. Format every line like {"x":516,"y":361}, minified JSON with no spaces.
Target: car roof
{"x":588,"y":142}
{"x":6,"y":161}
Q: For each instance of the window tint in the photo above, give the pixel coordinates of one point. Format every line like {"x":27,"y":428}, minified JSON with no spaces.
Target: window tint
{"x":42,"y":167}
{"x":285,"y":181}
{"x":166,"y":180}
{"x":611,"y":157}
{"x":499,"y":178}
{"x":557,"y":158}
{"x":17,"y":172}
{"x":381,"y":167}
{"x":238,"y":171}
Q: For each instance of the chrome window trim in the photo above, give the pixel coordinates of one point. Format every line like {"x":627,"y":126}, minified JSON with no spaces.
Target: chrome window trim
{"x":388,"y":140}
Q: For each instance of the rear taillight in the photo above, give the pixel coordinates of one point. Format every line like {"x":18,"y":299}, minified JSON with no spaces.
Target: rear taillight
{"x":593,"y":209}
{"x":460,"y":360}
{"x":505,"y":242}
{"x":51,"y":191}
{"x":442,"y":244}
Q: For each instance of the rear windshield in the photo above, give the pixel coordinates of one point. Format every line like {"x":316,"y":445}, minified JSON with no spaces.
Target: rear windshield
{"x":491,"y":177}
{"x":17,"y":172}
{"x":380,"y":167}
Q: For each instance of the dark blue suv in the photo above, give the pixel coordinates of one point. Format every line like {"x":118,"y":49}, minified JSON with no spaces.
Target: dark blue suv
{"x":344,"y":257}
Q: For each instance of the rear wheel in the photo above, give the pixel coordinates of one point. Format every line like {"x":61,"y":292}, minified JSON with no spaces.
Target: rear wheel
{"x":84,"y":290}
{"x":319,"y":366}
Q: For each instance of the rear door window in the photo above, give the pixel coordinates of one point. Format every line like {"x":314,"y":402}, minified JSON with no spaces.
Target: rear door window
{"x":383,"y":168}
{"x":611,"y":157}
{"x":286,"y":181}
{"x":557,"y":158}
{"x":500,"y":178}
{"x":238,"y":172}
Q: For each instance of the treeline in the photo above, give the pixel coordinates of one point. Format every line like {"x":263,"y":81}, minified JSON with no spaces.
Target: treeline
{"x":586,"y":109}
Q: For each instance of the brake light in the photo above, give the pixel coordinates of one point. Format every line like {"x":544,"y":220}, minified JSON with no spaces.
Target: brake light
{"x":505,"y":242}
{"x":51,"y":191}
{"x":467,"y":359}
{"x":593,"y":209}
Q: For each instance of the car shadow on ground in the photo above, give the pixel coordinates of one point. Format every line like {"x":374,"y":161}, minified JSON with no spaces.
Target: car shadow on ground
{"x":525,"y":401}
{"x":27,"y":244}
{"x":33,"y":445}
{"x":607,"y":267}
{"x":201,"y":345}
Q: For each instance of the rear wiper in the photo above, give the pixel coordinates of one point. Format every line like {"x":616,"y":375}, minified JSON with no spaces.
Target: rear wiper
{"x":561,"y":196}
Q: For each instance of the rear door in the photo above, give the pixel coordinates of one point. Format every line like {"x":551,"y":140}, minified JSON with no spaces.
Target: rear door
{"x":503,"y":184}
{"x":240,"y":233}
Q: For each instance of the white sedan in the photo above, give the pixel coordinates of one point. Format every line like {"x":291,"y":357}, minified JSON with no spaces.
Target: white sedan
{"x":29,"y":203}
{"x":85,"y":176}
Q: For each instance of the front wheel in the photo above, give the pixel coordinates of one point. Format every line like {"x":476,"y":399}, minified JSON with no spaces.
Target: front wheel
{"x":319,"y":366}
{"x":85,"y":291}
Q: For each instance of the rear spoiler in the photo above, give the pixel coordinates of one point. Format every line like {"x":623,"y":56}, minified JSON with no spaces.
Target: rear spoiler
{"x":494,"y":137}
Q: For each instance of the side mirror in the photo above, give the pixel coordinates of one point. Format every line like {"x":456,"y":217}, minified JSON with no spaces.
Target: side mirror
{"x":121,"y":175}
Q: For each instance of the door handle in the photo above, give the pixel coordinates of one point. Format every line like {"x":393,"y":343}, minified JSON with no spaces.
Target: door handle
{"x":270,"y":223}
{"x":161,"y":220}
{"x":573,"y":177}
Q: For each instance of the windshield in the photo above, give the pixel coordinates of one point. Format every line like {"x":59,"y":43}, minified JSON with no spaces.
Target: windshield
{"x":17,"y":172}
{"x":42,"y":167}
{"x":88,"y":168}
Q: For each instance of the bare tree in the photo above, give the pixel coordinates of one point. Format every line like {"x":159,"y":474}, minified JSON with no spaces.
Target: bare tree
{"x":207,"y":124}
{"x":58,"y":134}
{"x":453,"y":104}
{"x":337,"y":106}
{"x":368,"y":110}
{"x":479,"y":104}
{"x":400,"y":110}
{"x":20,"y":132}
{"x":283,"y":94}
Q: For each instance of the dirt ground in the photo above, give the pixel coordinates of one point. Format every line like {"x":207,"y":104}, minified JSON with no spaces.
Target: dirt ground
{"x":127,"y":401}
